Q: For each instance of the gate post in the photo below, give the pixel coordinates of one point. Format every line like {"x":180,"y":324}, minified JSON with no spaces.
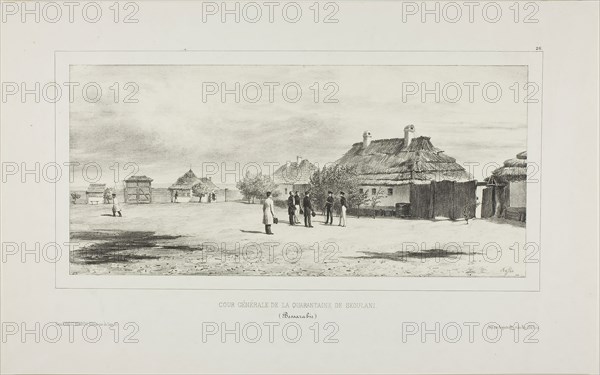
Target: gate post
{"x":452,"y":201}
{"x":432,"y":200}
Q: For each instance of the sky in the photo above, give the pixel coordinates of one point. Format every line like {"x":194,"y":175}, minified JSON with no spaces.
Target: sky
{"x":177,"y":123}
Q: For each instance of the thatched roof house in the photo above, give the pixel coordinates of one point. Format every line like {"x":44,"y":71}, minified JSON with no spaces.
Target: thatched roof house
{"x":512,"y":170}
{"x":506,"y":194}
{"x":399,"y":161}
{"x":190,"y":179}
{"x":294,"y":176}
{"x":410,"y":174}
{"x":183,"y":185}
{"x":297,"y":172}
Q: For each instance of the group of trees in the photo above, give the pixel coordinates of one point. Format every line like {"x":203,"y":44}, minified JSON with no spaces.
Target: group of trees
{"x":256,"y":186}
{"x":333,"y":178}
{"x":337,"y":178}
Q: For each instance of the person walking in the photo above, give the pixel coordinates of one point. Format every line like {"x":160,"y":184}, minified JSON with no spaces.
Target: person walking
{"x":116,"y":208}
{"x":176,"y":196}
{"x":291,"y":209}
{"x":297,"y":206}
{"x":268,"y":213}
{"x":329,"y":208}
{"x":307,"y":210}
{"x":343,"y":208}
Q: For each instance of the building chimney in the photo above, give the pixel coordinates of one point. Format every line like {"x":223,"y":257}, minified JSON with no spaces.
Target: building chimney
{"x":409,"y":131}
{"x":366,"y":139}
{"x":298,"y":159}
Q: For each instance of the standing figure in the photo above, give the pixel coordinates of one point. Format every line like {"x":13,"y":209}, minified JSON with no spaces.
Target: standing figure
{"x":214,"y":196}
{"x":297,"y":206}
{"x":329,"y":208}
{"x":469,"y":210}
{"x":268,"y":213}
{"x":176,"y":195}
{"x":307,"y":210}
{"x":116,"y":208}
{"x":291,"y":208}
{"x":343,"y":208}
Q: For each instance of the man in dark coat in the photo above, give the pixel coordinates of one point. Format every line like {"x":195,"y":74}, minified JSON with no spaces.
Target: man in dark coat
{"x":291,"y":208}
{"x":329,"y":208}
{"x":307,"y":210}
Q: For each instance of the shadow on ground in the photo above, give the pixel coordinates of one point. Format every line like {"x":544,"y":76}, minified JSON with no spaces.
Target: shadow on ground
{"x":403,"y":256}
{"x":113,"y":246}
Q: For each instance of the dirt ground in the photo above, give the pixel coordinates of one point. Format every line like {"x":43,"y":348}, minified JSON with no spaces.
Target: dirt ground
{"x":227,"y":238}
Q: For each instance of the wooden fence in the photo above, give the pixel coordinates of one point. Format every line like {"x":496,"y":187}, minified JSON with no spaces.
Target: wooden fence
{"x":444,"y":198}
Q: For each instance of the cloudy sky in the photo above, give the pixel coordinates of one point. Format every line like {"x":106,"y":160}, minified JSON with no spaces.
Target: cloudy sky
{"x":176,"y":125}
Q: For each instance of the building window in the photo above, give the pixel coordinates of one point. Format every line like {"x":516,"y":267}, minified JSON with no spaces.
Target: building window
{"x":373,"y":191}
{"x":360,"y":191}
{"x":390,"y":191}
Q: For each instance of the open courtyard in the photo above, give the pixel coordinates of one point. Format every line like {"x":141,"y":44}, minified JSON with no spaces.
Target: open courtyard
{"x":227,"y":238}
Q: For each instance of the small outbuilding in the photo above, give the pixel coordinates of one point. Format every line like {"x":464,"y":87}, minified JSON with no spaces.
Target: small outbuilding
{"x":95,"y":193}
{"x":506,"y":193}
{"x":138,"y":189}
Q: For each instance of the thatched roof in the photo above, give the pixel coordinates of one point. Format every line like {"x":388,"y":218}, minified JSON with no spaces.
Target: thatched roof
{"x":139,"y":179}
{"x":294,"y":173}
{"x":96,"y":188}
{"x":190,"y":179}
{"x":389,"y":162}
{"x":512,"y":170}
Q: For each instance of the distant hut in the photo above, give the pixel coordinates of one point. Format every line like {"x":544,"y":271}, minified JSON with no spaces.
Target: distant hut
{"x":411,"y":175}
{"x":294,"y":176}
{"x":138,"y":189}
{"x":95,"y":193}
{"x":506,"y":193}
{"x":183,"y":186}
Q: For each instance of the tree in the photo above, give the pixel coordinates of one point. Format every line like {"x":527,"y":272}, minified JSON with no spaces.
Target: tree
{"x":107,"y":195}
{"x":359,"y":199}
{"x":74,"y":197}
{"x":244,"y":186}
{"x":376,"y":199}
{"x":200,"y":190}
{"x":336,"y":178}
{"x":256,"y":186}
